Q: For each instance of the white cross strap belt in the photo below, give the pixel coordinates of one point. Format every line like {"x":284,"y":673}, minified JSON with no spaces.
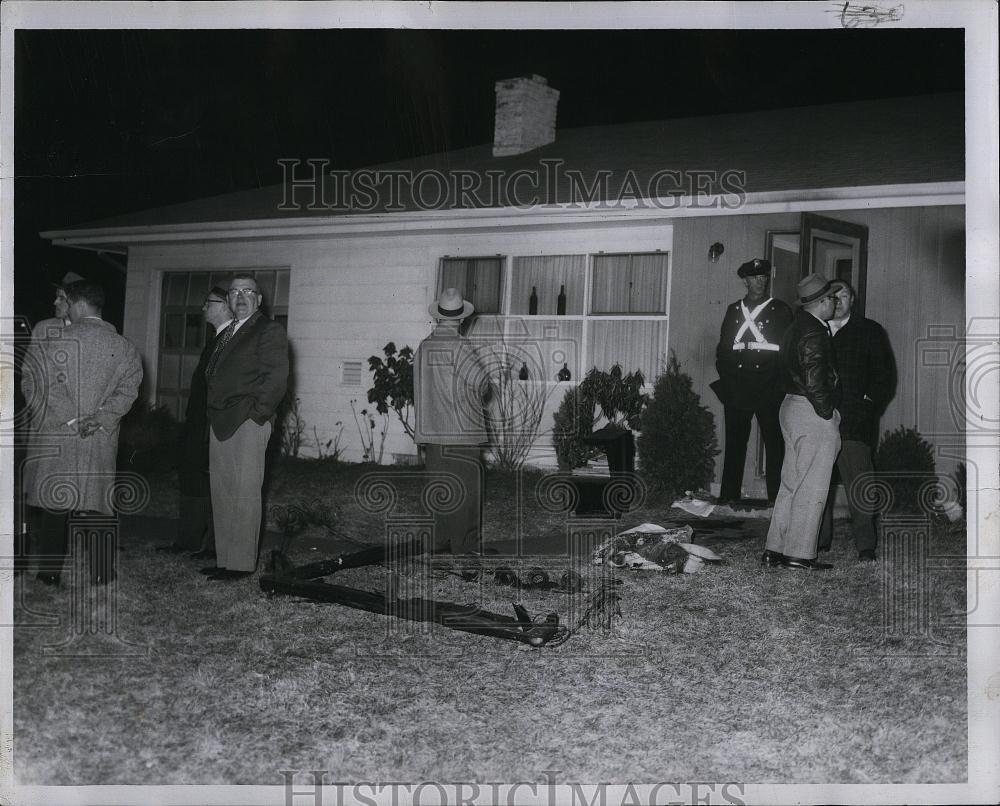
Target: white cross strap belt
{"x":759,"y":342}
{"x":757,"y":345}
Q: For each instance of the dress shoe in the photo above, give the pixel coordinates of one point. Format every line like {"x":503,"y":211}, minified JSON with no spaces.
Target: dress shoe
{"x":807,"y":565}
{"x":48,"y":578}
{"x":866,"y":555}
{"x":202,"y":554}
{"x":225,"y":575}
{"x":772,"y":559}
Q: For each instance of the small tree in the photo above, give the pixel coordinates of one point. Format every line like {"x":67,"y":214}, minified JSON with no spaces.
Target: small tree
{"x":678,"y":445}
{"x":393,"y":384}
{"x":515,"y":409}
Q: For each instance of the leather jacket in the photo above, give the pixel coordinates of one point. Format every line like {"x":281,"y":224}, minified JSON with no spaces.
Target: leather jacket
{"x":809,"y":365}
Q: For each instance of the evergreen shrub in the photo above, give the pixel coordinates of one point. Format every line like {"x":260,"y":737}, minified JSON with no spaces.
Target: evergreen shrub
{"x":678,"y":444}
{"x":905,"y":461}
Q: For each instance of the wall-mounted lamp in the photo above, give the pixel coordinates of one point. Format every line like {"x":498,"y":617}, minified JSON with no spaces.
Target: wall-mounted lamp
{"x":715,"y":251}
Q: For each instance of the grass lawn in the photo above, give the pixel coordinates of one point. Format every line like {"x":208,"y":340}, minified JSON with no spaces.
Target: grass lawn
{"x":738,"y":673}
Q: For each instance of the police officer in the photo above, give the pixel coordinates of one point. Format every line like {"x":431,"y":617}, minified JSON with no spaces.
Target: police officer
{"x":749,"y":384}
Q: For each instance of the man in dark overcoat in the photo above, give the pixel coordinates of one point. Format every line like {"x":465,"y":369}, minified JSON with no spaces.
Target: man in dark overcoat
{"x":79,"y":380}
{"x":748,"y":361}
{"x":868,"y":381}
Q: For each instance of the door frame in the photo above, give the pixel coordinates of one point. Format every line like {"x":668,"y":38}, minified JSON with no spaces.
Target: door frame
{"x":815,"y":226}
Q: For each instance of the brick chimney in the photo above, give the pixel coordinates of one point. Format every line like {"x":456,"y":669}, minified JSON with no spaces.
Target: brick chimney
{"x":525,"y":115}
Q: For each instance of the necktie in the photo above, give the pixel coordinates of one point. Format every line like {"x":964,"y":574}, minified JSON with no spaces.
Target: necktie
{"x":220,"y":345}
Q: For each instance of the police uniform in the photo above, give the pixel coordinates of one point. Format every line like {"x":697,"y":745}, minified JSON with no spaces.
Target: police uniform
{"x":749,"y":385}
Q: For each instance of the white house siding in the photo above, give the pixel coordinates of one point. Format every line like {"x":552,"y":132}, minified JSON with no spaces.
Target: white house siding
{"x":350,"y":296}
{"x":916,"y":273}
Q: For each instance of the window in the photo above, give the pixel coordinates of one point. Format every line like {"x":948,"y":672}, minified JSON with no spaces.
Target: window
{"x":478,"y":278}
{"x":629,"y":284}
{"x":183,"y":332}
{"x":579,"y":311}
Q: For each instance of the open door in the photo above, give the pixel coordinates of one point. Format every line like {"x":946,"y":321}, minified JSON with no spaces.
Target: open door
{"x":827,"y":246}
{"x":836,"y":250}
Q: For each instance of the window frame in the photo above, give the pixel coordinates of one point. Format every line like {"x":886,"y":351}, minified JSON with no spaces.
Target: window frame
{"x":586,"y":317}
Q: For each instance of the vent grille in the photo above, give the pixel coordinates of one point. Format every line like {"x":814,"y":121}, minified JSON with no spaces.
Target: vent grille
{"x":350,"y":373}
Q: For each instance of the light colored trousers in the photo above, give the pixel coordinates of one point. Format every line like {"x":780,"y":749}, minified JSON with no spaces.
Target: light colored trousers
{"x":811,"y":447}
{"x":237,"y":468}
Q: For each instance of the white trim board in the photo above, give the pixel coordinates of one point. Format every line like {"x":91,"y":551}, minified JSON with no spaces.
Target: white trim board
{"x":655,"y":211}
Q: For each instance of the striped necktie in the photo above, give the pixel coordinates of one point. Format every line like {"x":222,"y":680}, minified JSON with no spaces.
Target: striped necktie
{"x":220,"y":345}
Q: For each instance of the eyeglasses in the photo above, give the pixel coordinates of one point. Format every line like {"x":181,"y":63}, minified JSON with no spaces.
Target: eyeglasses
{"x":246,"y":293}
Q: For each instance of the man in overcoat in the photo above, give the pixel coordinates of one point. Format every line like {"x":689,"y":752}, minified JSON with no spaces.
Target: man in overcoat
{"x":810,"y":424}
{"x":868,"y":381}
{"x":450,"y":390}
{"x":79,"y":380}
{"x":748,"y":361}
{"x":195,"y":532}
{"x":246,"y":378}
{"x":44,"y":327}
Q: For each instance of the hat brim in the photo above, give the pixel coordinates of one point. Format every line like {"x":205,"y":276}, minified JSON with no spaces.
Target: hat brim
{"x":67,"y":279}
{"x":818,"y":295}
{"x":467,"y":310}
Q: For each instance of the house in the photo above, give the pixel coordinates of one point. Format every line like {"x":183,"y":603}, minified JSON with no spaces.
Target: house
{"x":627,"y":221}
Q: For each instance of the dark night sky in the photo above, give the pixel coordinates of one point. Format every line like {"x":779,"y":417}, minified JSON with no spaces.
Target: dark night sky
{"x":108,"y":122}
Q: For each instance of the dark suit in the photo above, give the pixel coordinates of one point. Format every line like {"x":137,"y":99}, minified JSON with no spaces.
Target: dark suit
{"x":242,"y":395}
{"x":868,"y":380}
{"x":749,"y":386}
{"x":196,"y":531}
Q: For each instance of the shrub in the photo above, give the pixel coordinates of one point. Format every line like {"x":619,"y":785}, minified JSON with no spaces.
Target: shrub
{"x":392,"y":380}
{"x":905,"y":461}
{"x":514,"y":413}
{"x":620,"y":399}
{"x":961,"y":481}
{"x":572,"y":420}
{"x":619,"y":396}
{"x":290,"y":425}
{"x":148,"y":438}
{"x":678,"y":444}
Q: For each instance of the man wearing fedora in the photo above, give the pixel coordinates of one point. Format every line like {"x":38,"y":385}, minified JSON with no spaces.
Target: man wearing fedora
{"x":748,"y":361}
{"x":810,"y":424}
{"x":868,"y":379}
{"x":450,"y":389}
